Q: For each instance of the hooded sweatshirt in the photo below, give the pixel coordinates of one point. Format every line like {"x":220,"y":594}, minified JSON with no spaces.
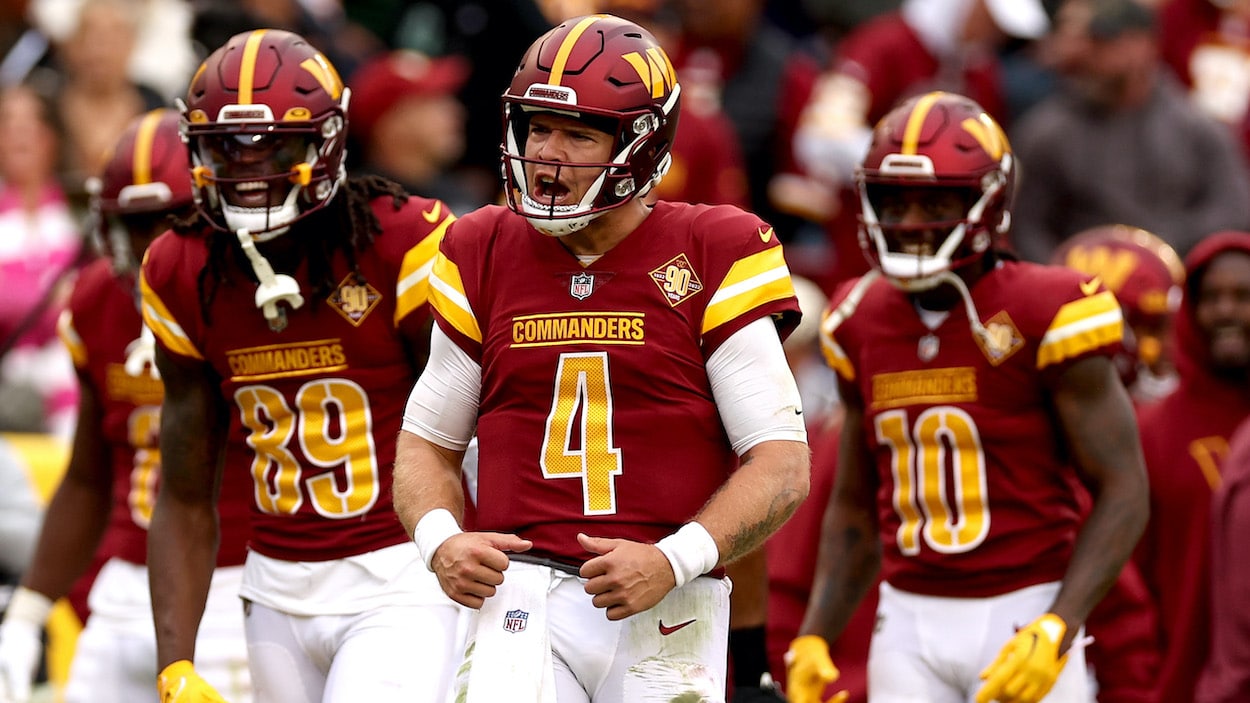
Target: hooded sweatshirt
{"x":1226,"y":678}
{"x":1185,"y":439}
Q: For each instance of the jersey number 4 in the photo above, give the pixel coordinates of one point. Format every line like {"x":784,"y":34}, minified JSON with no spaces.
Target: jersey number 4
{"x":578,"y":440}
{"x":938,"y":466}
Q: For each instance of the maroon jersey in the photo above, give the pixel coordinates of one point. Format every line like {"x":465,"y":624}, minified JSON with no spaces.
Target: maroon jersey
{"x":316,"y":406}
{"x":596,"y":414}
{"x":976,"y":496}
{"x":102,"y":321}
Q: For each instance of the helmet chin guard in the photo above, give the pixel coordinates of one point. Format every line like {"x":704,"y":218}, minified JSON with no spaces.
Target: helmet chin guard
{"x":941,"y":141}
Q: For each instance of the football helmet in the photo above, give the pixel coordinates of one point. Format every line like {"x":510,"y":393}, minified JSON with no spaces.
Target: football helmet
{"x":1144,"y":272}
{"x":145,"y":180}
{"x":265,"y":120}
{"x":613,"y":75}
{"x":947,"y":143}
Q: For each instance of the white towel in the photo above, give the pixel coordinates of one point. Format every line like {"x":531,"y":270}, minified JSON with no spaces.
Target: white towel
{"x":508,"y":655}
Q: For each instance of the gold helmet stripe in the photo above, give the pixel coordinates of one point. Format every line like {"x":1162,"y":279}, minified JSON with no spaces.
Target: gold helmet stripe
{"x":562,"y":56}
{"x":145,"y":136}
{"x":247,"y":70}
{"x":915,"y":121}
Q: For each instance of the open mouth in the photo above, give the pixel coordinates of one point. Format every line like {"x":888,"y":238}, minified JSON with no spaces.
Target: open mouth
{"x":255,"y":194}
{"x":549,"y":191}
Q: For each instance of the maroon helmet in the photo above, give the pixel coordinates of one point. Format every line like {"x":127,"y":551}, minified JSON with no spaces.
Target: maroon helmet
{"x":265,"y":119}
{"x":936,"y":140}
{"x":1144,"y":272}
{"x":146,"y":179}
{"x":613,"y":75}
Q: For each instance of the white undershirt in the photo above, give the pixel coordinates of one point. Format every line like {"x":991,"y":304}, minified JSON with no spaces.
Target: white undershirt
{"x":754,"y":389}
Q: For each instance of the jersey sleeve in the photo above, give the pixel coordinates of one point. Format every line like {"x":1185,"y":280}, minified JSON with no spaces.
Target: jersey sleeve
{"x":1089,"y":322}
{"x":448,"y":295}
{"x":413,"y":282}
{"x":757,"y":280}
{"x":157,"y":279}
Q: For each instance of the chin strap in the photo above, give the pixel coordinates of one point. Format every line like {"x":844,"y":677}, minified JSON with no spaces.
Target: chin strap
{"x":974,"y":319}
{"x":141,"y":354}
{"x":273,"y":288}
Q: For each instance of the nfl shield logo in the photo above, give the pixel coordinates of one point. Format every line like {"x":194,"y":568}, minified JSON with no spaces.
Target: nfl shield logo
{"x":582,"y":285}
{"x":515,"y":620}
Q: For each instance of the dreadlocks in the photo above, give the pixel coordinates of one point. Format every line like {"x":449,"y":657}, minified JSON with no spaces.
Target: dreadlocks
{"x":352,"y":213}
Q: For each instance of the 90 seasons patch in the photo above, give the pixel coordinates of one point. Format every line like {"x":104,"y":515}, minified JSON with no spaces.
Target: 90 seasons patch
{"x":677,"y":280}
{"x":354,"y":299}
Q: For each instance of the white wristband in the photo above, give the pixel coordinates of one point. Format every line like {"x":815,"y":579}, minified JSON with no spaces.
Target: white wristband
{"x":691,"y":552}
{"x":28,"y":607}
{"x":434,"y":528}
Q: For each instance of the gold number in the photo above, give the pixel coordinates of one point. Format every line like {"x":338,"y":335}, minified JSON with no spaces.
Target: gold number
{"x":578,"y":440}
{"x":143,"y":426}
{"x":950,"y":516}
{"x":334,"y":429}
{"x":676,"y":280}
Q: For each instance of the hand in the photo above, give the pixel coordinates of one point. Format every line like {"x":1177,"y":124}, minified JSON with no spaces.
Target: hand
{"x":21,"y":643}
{"x":1028,"y":664}
{"x":809,"y":670}
{"x":469,"y":565}
{"x":20,"y":649}
{"x":627,"y":578}
{"x":178,"y":683}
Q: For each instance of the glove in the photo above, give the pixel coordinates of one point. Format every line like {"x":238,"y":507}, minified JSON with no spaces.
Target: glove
{"x":21,"y":643}
{"x":1028,"y":664}
{"x":809,"y":669}
{"x":178,"y":683}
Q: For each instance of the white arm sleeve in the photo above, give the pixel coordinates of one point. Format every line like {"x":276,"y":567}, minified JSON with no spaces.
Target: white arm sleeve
{"x":755,"y":391}
{"x":442,"y":407}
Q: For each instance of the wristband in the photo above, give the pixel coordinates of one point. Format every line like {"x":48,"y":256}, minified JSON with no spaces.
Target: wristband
{"x":691,"y":552}
{"x":434,"y":528}
{"x":29,"y":607}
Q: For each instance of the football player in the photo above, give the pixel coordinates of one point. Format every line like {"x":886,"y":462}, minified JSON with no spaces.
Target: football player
{"x":977,"y":390}
{"x":637,"y":424}
{"x":290,"y":316}
{"x":109,"y":487}
{"x":1145,"y":274}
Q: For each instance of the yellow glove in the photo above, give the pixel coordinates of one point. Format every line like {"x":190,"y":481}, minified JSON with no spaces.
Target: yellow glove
{"x":1028,"y":664}
{"x":178,"y":683}
{"x":809,"y":669}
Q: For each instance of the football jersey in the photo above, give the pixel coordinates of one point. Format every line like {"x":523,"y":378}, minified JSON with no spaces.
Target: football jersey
{"x":975,"y":489}
{"x":100,"y":322}
{"x":596,"y":414}
{"x":315,"y":407}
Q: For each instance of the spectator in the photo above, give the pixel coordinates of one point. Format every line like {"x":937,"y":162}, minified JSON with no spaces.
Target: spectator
{"x":1206,"y":43}
{"x":762,"y":77}
{"x":1120,"y":142}
{"x":409,"y":125}
{"x":1185,"y":439}
{"x":1226,"y":678}
{"x":40,"y":248}
{"x":95,"y":97}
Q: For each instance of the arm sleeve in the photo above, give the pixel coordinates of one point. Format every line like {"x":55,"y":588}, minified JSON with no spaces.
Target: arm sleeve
{"x":755,"y":391}
{"x":442,"y":407}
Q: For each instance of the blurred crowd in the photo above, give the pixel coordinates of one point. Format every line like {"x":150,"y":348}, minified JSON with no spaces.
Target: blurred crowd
{"x":1130,"y":119}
